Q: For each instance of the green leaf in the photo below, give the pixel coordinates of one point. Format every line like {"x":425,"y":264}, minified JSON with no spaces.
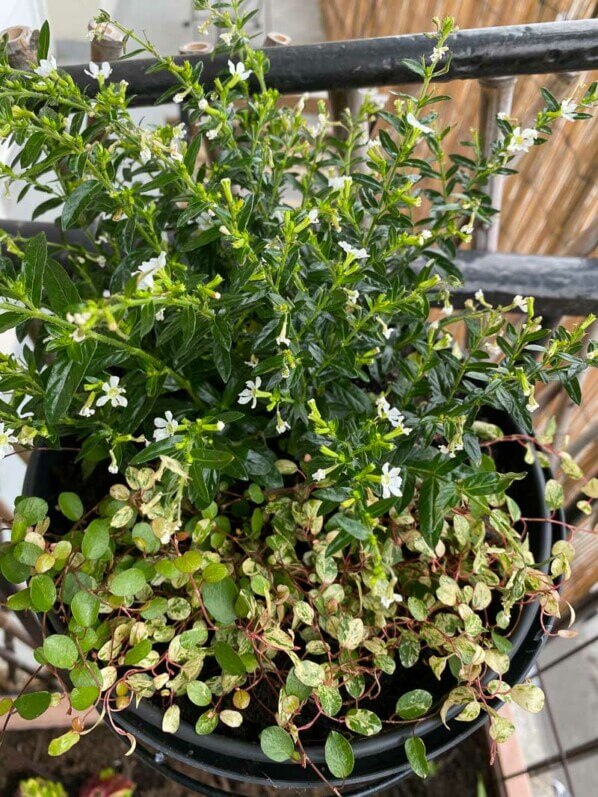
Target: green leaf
{"x":60,"y":288}
{"x":215,"y":572}
{"x":339,"y":755}
{"x":33,"y":704}
{"x":35,"y":254}
{"x":77,"y":202}
{"x":154,"y":450}
{"x":360,"y":720}
{"x":430,"y":511}
{"x":489,"y":483}
{"x":83,"y":697}
{"x":199,"y":693}
{"x":211,"y":458}
{"x":228,"y":659}
{"x":63,"y":743}
{"x":219,"y":599}
{"x":60,"y":651}
{"x":43,"y":593}
{"x":276,"y":744}
{"x":96,"y":539}
{"x":85,"y":608}
{"x":206,"y":723}
{"x":138,"y":652}
{"x":416,"y":755}
{"x":128,"y":582}
{"x":554,"y":494}
{"x":71,"y":506}
{"x":63,"y":381}
{"x":414,"y":704}
{"x":32,"y":510}
{"x":353,"y":527}
{"x":43,"y":42}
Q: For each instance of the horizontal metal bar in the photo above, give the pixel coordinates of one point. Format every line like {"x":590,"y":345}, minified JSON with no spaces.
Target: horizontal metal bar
{"x":548,"y":47}
{"x":580,"y":751}
{"x":561,"y":285}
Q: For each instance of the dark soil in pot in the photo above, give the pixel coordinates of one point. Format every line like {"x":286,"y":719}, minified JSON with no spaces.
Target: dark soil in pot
{"x":377,"y":757}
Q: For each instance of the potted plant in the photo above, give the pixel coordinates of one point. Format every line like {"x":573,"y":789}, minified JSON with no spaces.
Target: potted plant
{"x":278,"y":521}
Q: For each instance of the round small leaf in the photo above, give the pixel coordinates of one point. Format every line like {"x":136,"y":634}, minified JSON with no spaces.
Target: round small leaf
{"x":32,"y":510}
{"x":215,"y":572}
{"x":83,"y":697}
{"x":85,"y":608}
{"x":42,"y":592}
{"x":199,"y":693}
{"x":416,"y":755}
{"x":32,"y":705}
{"x":206,"y":723}
{"x":96,"y":539}
{"x":276,"y":744}
{"x":219,"y":599}
{"x":127,"y":583}
{"x":60,"y":651}
{"x":63,"y":743}
{"x":414,"y":704}
{"x":228,"y":659}
{"x":360,"y":720}
{"x":339,"y":755}
{"x":71,"y":506}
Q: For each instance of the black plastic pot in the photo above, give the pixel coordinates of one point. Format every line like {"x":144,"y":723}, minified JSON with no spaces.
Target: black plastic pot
{"x":379,"y":761}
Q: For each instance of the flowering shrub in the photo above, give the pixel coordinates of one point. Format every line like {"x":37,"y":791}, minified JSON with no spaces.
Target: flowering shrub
{"x":305,"y":502}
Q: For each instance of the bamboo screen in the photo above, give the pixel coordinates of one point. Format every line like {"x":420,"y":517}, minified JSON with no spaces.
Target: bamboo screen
{"x":550,"y":207}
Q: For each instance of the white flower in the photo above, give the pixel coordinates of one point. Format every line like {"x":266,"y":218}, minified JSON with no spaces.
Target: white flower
{"x":352,"y":297}
{"x":390,"y":414}
{"x":148,"y":269}
{"x":438,"y":54}
{"x":253,"y":361}
{"x":522,"y":140}
{"x":47,"y":67}
{"x":78,"y":335}
{"x":313,"y":216}
{"x":113,"y":466}
{"x":202,"y":104}
{"x":373,"y":143}
{"x":6,"y":439}
{"x":447,"y":310}
{"x":178,"y":131}
{"x":319,"y":475}
{"x":238,"y":70}
{"x":95,"y":71}
{"x":520,"y":302}
{"x":338,"y":183}
{"x":165,"y":427}
{"x":358,"y":254}
{"x":101,"y":261}
{"x":417,"y":124}
{"x":282,"y":339}
{"x":281,"y":425}
{"x":86,"y":412}
{"x":250,"y":392}
{"x":568,"y":110}
{"x":211,"y":134}
{"x":175,"y":154}
{"x":178,"y":98}
{"x":447,"y":451}
{"x":227,"y":37}
{"x":160,"y":314}
{"x":479,"y":295}
{"x":467,"y":229}
{"x":387,"y":602}
{"x":391,"y":481}
{"x":502,"y":115}
{"x":378,"y":98}
{"x":220,"y":425}
{"x":386,"y":331}
{"x":424,"y":235}
{"x":78,"y":318}
{"x":532,"y":405}
{"x":113,"y":393}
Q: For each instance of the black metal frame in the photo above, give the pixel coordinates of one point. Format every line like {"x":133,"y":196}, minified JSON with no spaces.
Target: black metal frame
{"x":542,"y":48}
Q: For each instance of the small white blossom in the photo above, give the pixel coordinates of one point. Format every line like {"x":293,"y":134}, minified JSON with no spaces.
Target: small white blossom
{"x":212,"y":134}
{"x":165,"y":427}
{"x":319,"y":475}
{"x":202,"y":104}
{"x":96,"y":71}
{"x":378,"y":98}
{"x":178,"y":98}
{"x":78,"y":318}
{"x":479,"y":295}
{"x":447,"y":310}
{"x":467,"y":229}
{"x":568,"y":110}
{"x":388,"y":413}
{"x":86,"y":411}
{"x":7,"y":438}
{"x":387,"y":602}
{"x":520,"y":302}
{"x":281,"y":425}
{"x":238,"y":70}
{"x":47,"y":67}
{"x":113,"y":466}
{"x":101,"y":261}
{"x":147,"y":271}
{"x":249,"y":394}
{"x":352,"y":297}
{"x":178,"y":131}
{"x":220,"y":425}
{"x":438,"y":54}
{"x":253,"y":361}
{"x":373,"y":143}
{"x":313,"y":216}
{"x":502,"y":115}
{"x":227,"y":37}
{"x":338,"y":183}
{"x":106,"y":293}
{"x":282,"y":338}
{"x":113,"y":393}
{"x":424,"y":235}
{"x":358,"y":254}
{"x":160,"y":314}
{"x":78,"y":335}
{"x":418,"y":125}
{"x":175,"y":153}
{"x":391,"y":481}
{"x":386,"y":331}
{"x":522,"y":140}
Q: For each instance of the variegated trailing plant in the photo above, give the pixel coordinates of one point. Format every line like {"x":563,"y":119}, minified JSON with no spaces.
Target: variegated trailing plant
{"x":303,"y":497}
